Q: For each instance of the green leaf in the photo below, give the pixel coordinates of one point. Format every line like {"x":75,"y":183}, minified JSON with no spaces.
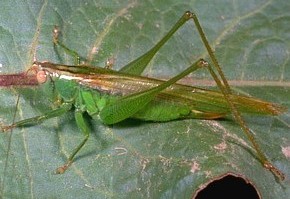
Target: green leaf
{"x":138,"y":159}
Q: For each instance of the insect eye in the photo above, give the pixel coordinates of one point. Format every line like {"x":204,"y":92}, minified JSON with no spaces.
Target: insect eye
{"x":41,"y":77}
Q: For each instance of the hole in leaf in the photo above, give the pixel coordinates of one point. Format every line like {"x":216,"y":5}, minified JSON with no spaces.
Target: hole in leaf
{"x":228,"y":186}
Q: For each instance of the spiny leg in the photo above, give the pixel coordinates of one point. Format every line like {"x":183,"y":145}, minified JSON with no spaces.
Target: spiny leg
{"x":137,"y":67}
{"x":83,"y":126}
{"x":237,"y":116}
{"x":226,"y":91}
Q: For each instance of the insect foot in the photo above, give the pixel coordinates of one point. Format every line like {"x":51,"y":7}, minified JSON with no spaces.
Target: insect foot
{"x":274,"y":170}
{"x":5,"y":128}
{"x":62,"y":169}
{"x":202,"y":63}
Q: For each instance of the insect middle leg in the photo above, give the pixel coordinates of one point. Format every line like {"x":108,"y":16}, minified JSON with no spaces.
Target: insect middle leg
{"x":65,"y":107}
{"x":83,"y":126}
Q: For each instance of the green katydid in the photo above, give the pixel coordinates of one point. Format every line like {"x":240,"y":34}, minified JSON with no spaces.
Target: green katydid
{"x":113,"y":96}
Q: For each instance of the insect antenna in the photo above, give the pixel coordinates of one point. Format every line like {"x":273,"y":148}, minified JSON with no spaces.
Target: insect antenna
{"x":2,"y":184}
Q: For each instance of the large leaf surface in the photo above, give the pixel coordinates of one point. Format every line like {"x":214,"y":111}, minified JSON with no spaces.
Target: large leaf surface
{"x":138,"y":159}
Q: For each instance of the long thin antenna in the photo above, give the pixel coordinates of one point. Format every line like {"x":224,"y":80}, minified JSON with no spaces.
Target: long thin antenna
{"x":8,"y":150}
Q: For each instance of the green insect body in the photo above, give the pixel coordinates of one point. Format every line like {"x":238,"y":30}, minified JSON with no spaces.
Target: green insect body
{"x":113,"y":96}
{"x":100,"y":88}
